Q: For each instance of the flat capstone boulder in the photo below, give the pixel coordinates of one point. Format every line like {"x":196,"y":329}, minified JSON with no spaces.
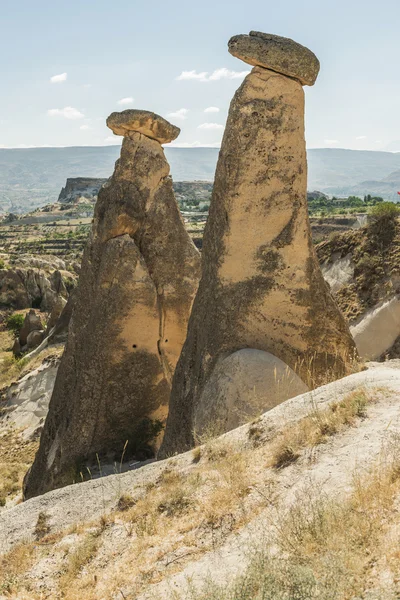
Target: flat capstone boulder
{"x":145,"y":122}
{"x":276,"y":53}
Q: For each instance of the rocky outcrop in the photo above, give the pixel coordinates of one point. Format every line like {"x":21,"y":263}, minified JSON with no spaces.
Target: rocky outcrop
{"x":261,"y":286}
{"x":32,"y":322}
{"x":23,"y":288}
{"x":28,"y":399}
{"x":139,"y":276}
{"x":363,"y":270}
{"x":80,"y":187}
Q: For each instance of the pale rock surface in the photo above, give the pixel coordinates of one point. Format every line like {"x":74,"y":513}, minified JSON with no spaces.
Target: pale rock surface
{"x":339,"y":272}
{"x":27,"y":400}
{"x":378,"y":329}
{"x":139,"y":276}
{"x":276,"y":53}
{"x":242,"y":386}
{"x":261,"y":286}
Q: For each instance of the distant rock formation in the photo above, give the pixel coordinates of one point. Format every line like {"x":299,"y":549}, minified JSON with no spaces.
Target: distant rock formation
{"x":139,"y":276}
{"x":80,"y":187}
{"x":363,"y":270}
{"x":261,"y":285}
{"x":25,"y":288}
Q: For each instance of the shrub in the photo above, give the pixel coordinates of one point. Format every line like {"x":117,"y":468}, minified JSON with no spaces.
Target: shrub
{"x":382,"y":221}
{"x":2,"y":264}
{"x":15,"y":322}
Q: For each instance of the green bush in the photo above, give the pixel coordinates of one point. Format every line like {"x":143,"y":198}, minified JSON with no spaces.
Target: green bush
{"x":382,"y":221}
{"x":384,"y":210}
{"x":15,"y":322}
{"x":2,"y":264}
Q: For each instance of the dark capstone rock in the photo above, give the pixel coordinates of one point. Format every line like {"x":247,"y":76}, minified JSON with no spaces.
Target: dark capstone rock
{"x":276,"y":53}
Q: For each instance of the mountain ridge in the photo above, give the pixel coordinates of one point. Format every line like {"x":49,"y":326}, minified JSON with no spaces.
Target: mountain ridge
{"x":32,"y":177}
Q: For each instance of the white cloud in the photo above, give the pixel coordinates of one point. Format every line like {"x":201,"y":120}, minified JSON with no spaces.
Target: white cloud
{"x":210,"y":126}
{"x":227,"y":74}
{"x":68,"y":113}
{"x":124,"y":101}
{"x":179,"y":114}
{"x":211,"y":109}
{"x":331,"y":142}
{"x":84,"y":127}
{"x":217,"y":75}
{"x":192,"y":75}
{"x":58,"y":78}
{"x":361,"y":137}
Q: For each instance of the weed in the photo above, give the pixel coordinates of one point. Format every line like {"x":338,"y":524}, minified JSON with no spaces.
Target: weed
{"x":42,"y":526}
{"x":125,"y":502}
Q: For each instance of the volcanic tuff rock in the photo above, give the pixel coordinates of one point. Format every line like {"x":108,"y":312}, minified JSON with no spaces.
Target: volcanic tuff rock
{"x":276,"y":53}
{"x":261,"y":284}
{"x":242,"y":386}
{"x":145,"y":122}
{"x":139,"y":276}
{"x":80,"y":187}
{"x":23,"y":288}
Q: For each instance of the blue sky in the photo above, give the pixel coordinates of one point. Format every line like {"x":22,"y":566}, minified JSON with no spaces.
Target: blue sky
{"x":104,"y":52}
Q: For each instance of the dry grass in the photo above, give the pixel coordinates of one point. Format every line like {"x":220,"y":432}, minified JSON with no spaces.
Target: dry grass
{"x":76,"y":561}
{"x":42,"y":527}
{"x":324,"y":549}
{"x":185,"y":513}
{"x":318,"y":426}
{"x":13,"y":565}
{"x":16,"y":456}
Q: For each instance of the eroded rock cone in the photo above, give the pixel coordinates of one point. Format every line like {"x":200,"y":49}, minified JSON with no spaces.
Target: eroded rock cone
{"x":261,"y":286}
{"x":139,"y":276}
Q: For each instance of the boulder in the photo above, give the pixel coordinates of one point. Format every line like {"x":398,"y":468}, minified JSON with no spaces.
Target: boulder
{"x":242,"y":386}
{"x":13,"y":292}
{"x":32,"y":322}
{"x":261,"y":286}
{"x":16,"y":349}
{"x":276,"y":53}
{"x":55,"y":314}
{"x":378,"y":329}
{"x":139,"y":275}
{"x":35,"y":338}
{"x":144,"y":122}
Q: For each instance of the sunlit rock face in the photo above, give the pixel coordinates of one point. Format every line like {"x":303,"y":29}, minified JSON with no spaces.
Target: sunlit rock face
{"x":139,"y":275}
{"x":261,"y":286}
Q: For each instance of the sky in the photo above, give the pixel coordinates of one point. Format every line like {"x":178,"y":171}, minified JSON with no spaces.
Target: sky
{"x":67,"y":65}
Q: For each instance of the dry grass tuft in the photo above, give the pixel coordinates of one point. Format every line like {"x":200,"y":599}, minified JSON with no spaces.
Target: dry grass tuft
{"x":13,"y":565}
{"x":16,"y":456}
{"x":318,"y":426}
{"x":196,"y":454}
{"x":125,"y":502}
{"x":77,"y":560}
{"x":42,"y":527}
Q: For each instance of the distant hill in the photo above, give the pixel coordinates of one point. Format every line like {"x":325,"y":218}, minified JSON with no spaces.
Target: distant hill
{"x":33,"y":177}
